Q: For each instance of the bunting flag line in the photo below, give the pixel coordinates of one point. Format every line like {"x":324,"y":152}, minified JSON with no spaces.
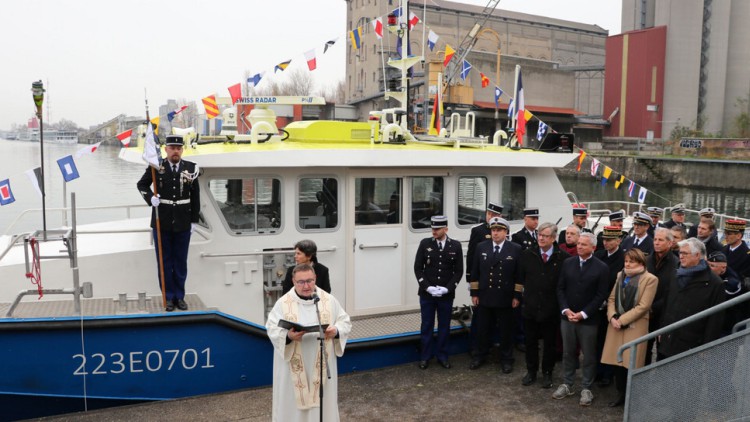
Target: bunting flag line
{"x":377,"y":24}
{"x":581,"y":156}
{"x":521,"y":114}
{"x":35,"y":176}
{"x":541,"y":131}
{"x":281,"y":66}
{"x":413,"y":20}
{"x":356,"y":37}
{"x":310,"y":57}
{"x":68,"y":168}
{"x":235,"y":91}
{"x":209,"y":103}
{"x":89,"y":149}
{"x":465,"y":69}
{"x":155,"y":121}
{"x":172,"y":114}
{"x":254,"y":80}
{"x":619,"y":181}
{"x":151,"y":152}
{"x":449,"y":52}
{"x":594,"y":167}
{"x":485,"y":80}
{"x":605,"y":175}
{"x":6,"y":194}
{"x":329,"y":44}
{"x":631,"y":189}
{"x":432,"y":38}
{"x":498,"y":94}
{"x":124,"y":137}
{"x":642,"y":194}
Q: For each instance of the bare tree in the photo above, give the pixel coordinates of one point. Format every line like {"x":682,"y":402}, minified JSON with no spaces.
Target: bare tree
{"x":187,"y":117}
{"x":299,"y":82}
{"x":64,"y":124}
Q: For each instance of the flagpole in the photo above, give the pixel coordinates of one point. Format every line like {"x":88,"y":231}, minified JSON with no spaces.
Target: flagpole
{"x":37,"y":90}
{"x":158,"y":223}
{"x":515,"y":104}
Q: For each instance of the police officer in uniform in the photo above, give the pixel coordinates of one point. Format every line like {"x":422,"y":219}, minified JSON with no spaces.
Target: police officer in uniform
{"x":493,"y":279}
{"x":640,"y":238}
{"x":580,"y":218}
{"x":655,"y":214}
{"x":527,"y":236}
{"x":178,"y":206}
{"x":438,"y":267}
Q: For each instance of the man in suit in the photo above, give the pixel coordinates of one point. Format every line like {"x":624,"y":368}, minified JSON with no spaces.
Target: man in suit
{"x":582,"y":288}
{"x":613,"y":256}
{"x":493,"y":280}
{"x":580,"y":218}
{"x":178,"y":207}
{"x":640,"y":239}
{"x":706,"y":214}
{"x":438,"y":267}
{"x":707,"y":235}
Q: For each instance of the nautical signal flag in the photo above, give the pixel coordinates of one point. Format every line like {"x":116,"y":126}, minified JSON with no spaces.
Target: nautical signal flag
{"x":356,"y":37}
{"x":35,"y":176}
{"x":209,"y":103}
{"x":594,"y":167}
{"x":235,"y":91}
{"x":485,"y":80}
{"x":413,"y":20}
{"x":432,"y":38}
{"x":124,"y":137}
{"x":511,"y":108}
{"x":642,"y":194}
{"x":541,"y":131}
{"x":465,"y":69}
{"x":631,"y":189}
{"x":449,"y":52}
{"x":581,"y":156}
{"x":155,"y":121}
{"x":254,"y":80}
{"x":605,"y":175}
{"x":6,"y":194}
{"x":310,"y":57}
{"x":498,"y":94}
{"x":89,"y":149}
{"x":619,"y":181}
{"x":281,"y":66}
{"x":329,"y":44}
{"x":175,"y":112}
{"x":68,"y":168}
{"x":377,"y":24}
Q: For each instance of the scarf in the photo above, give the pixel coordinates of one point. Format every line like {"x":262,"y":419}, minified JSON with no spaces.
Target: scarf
{"x":626,"y":289}
{"x":684,"y":275}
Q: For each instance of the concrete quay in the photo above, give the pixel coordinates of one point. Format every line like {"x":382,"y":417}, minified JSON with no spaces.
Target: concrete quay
{"x":401,"y":393}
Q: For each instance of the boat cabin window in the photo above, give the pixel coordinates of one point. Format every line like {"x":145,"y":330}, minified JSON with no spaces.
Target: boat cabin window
{"x":426,"y":200}
{"x":513,"y":197}
{"x":248,"y":205}
{"x":318,"y":203}
{"x":372,"y":197}
{"x":472,"y":200}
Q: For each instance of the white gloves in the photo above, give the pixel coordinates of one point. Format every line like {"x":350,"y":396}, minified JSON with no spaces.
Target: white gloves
{"x":155,"y":201}
{"x":442,"y":290}
{"x":436,"y":291}
{"x":192,"y":227}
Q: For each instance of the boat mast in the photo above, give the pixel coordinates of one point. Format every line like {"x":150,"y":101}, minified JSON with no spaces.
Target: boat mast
{"x":403,"y":63}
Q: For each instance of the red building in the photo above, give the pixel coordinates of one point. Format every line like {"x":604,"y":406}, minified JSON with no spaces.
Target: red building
{"x":634,"y":83}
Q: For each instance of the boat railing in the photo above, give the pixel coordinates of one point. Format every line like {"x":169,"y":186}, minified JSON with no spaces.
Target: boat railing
{"x":258,"y":253}
{"x":129,"y":209}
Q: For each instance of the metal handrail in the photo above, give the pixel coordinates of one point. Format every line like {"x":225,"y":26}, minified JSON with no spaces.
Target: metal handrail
{"x":127,"y":209}
{"x":260,"y":253}
{"x":389,"y":245}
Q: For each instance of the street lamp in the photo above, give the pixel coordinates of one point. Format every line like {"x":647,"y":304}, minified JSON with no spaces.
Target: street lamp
{"x":498,"y":126}
{"x":37,"y":91}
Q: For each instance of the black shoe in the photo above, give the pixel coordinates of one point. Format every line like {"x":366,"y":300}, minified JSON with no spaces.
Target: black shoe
{"x":445,"y":364}
{"x":170,"y":307}
{"x":605,"y":382}
{"x":521,"y":347}
{"x":546,"y":380}
{"x":617,"y":403}
{"x":181,"y":305}
{"x":424,"y":364}
{"x":507,"y":368}
{"x":529,"y":378}
{"x":475,"y":364}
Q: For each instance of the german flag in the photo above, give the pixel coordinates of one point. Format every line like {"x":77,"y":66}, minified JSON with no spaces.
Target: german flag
{"x":209,"y":103}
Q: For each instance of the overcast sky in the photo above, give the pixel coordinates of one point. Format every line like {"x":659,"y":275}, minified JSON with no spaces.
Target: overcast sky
{"x":96,"y":57}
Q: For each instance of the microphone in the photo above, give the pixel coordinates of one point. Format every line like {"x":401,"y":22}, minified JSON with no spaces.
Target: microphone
{"x":315,"y":298}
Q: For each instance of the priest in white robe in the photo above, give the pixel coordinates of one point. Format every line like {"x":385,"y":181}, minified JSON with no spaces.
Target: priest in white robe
{"x":296,"y":357}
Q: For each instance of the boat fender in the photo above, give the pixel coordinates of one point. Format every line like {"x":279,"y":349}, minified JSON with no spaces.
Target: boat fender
{"x":389,"y":128}
{"x":499,"y":134}
{"x":257,"y":127}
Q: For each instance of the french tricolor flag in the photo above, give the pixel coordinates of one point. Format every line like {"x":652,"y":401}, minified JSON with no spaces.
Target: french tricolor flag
{"x":124,"y":137}
{"x":310,"y":57}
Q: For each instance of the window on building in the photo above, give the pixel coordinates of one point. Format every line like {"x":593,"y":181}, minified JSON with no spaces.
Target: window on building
{"x":426,"y":200}
{"x":318,"y":203}
{"x":248,"y":206}
{"x":372,"y":197}
{"x":472,"y":200}
{"x":513,"y":197}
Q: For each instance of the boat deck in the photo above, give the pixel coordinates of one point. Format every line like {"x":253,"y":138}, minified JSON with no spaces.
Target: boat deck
{"x":362,"y":327}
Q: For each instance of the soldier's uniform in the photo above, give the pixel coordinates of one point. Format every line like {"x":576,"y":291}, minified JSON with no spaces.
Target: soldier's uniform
{"x":523,"y":237}
{"x":579,"y":210}
{"x":613,"y":216}
{"x":677,"y":209}
{"x":179,"y":207}
{"x":654,"y":213}
{"x":437,"y":264}
{"x":646,"y":245}
{"x":738,"y":258}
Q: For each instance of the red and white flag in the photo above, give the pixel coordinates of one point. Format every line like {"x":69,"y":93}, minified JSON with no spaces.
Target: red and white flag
{"x":87,"y":150}
{"x":124,"y":137}
{"x":413,"y":20}
{"x":378,"y":25}
{"x":310,"y":57}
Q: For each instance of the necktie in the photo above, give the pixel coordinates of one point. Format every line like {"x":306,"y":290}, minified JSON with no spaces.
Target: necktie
{"x":174,"y":168}
{"x":544,"y":257}
{"x":533,"y":234}
{"x":582,"y":262}
{"x":637,"y":242}
{"x":440,"y":246}
{"x":497,"y":250}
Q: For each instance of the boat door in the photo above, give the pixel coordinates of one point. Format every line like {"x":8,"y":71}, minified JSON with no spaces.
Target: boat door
{"x":378,"y":244}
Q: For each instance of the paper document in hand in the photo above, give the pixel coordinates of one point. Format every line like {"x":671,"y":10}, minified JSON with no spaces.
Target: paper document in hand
{"x":288,"y":325}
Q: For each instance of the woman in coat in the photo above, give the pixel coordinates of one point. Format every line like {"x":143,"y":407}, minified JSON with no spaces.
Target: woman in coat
{"x":306,"y":252}
{"x":628,"y":309}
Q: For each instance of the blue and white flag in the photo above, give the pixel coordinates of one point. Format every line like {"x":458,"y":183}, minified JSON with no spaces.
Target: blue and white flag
{"x":642,"y":194}
{"x":542,"y":131}
{"x":68,"y":168}
{"x":253,"y":81}
{"x":498,"y":94}
{"x":465,"y":69}
{"x":6,"y":195}
{"x":511,"y":108}
{"x":432,"y":38}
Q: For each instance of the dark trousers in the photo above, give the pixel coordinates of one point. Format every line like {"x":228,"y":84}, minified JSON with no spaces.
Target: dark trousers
{"x":429,"y":307}
{"x":621,"y":379}
{"x":174,"y":246}
{"x":519,"y":332}
{"x":547,"y":332}
{"x":488,"y":318}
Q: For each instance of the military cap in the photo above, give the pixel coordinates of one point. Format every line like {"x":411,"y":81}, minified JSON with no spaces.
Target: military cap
{"x":531,"y":212}
{"x":642,"y":218}
{"x":616,"y":216}
{"x":175,"y":140}
{"x":611,"y":232}
{"x":495,"y":207}
{"x":717,"y":257}
{"x":579,"y":209}
{"x":499,"y":223}
{"x":678,"y":209}
{"x":707,"y":212}
{"x":439,"y":221}
{"x":735,"y":225}
{"x":654,"y":211}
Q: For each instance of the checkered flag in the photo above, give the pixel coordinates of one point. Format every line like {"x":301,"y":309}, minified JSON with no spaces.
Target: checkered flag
{"x":542,"y":131}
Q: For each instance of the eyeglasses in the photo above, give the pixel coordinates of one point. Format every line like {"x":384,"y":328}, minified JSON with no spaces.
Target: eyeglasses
{"x":303,"y":282}
{"x":544,"y":235}
{"x":685,"y":253}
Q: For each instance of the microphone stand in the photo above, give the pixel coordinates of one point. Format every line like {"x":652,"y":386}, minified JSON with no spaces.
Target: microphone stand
{"x":323,"y":354}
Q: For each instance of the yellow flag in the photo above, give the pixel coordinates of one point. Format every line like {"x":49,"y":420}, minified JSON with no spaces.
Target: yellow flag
{"x":527,"y":115}
{"x":155,"y":122}
{"x":449,"y":52}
